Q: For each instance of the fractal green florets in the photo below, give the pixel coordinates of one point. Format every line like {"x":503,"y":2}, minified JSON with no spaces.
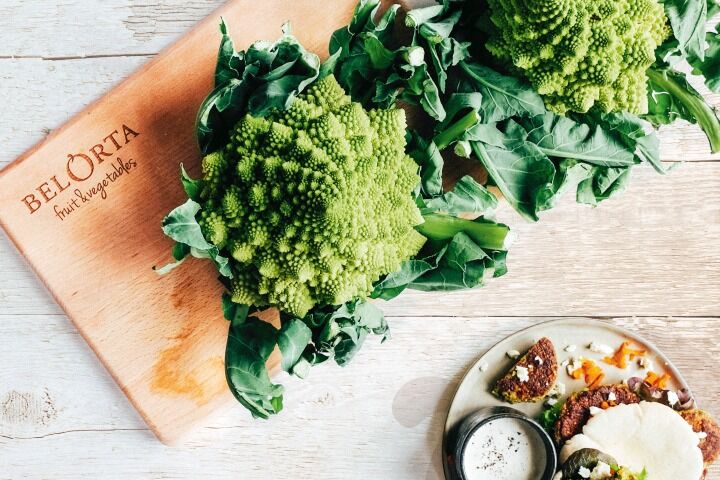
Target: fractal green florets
{"x":580,"y":53}
{"x":313,"y":203}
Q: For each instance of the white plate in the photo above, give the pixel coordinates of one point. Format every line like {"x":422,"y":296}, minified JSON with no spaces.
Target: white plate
{"x":475,"y":388}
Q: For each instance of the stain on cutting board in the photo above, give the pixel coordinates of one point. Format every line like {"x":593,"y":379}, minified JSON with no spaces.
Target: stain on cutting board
{"x":172,"y":377}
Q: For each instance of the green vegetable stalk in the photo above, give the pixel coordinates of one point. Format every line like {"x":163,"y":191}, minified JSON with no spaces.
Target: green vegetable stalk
{"x":674,"y":84}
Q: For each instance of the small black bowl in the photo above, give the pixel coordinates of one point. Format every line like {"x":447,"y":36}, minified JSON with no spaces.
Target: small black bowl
{"x":476,"y":420}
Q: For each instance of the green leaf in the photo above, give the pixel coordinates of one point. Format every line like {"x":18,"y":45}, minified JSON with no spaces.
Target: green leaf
{"x":293,"y":338}
{"x":360,"y":53}
{"x":339,"y":331}
{"x":561,"y":137}
{"x":181,"y":226}
{"x":436,"y":30}
{"x":180,"y":251}
{"x":229,"y":63}
{"x":636,"y":134}
{"x":664,"y":108}
{"x":603,"y":183}
{"x":503,"y":96}
{"x":265,"y":77}
{"x":234,"y":312}
{"x":379,"y":56}
{"x":250,"y":343}
{"x":428,"y":156}
{"x":687,"y":19}
{"x":521,"y":171}
{"x":549,"y":417}
{"x":468,"y":196}
{"x":363,"y":317}
{"x":460,"y":265}
{"x":709,"y":67}
{"x":395,"y":283}
{"x":192,"y":187}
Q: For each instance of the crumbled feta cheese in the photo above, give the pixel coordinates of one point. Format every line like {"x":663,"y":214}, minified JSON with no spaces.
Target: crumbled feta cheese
{"x":702,"y":435}
{"x":575,"y":364}
{"x":601,"y":471}
{"x":557,"y":390}
{"x":484,"y":366}
{"x":645,"y":363}
{"x":551,"y":401}
{"x":601,"y":348}
{"x":513,"y":354}
{"x":522,"y":374}
{"x":565,"y":363}
{"x":595,"y":410}
{"x":612,"y":397}
{"x":538,"y":360}
{"x":584,"y":472}
{"x":672,"y":398}
{"x":571,"y":348}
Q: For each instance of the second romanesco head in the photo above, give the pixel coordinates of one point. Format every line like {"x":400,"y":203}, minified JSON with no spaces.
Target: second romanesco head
{"x":581,"y":53}
{"x":314,"y":204}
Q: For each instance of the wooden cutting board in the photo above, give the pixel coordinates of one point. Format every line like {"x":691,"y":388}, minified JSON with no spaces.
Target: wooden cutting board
{"x":85,"y":208}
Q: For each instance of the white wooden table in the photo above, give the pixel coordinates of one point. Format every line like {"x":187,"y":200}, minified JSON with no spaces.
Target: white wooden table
{"x":649,"y":260}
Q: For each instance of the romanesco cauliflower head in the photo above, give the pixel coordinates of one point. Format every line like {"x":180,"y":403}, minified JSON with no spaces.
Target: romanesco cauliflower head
{"x":314,"y":204}
{"x":581,"y":53}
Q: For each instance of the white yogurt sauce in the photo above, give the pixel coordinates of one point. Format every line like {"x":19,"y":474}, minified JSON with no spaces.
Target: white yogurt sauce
{"x":504,"y":449}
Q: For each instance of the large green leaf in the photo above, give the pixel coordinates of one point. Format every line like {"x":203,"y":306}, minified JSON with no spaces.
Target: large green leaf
{"x":709,"y":67}
{"x":250,"y":343}
{"x":560,"y":137}
{"x":468,"y":196}
{"x":293,"y":338}
{"x":502,"y":96}
{"x":687,"y":19}
{"x":522,"y":172}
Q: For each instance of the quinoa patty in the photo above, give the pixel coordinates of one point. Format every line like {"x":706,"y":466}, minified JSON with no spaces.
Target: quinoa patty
{"x":702,"y":422}
{"x":541,"y":368}
{"x":576,"y":411}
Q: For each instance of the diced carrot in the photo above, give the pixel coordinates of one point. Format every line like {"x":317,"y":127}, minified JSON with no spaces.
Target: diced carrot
{"x":624,"y":354}
{"x":590,"y":372}
{"x":657,"y":381}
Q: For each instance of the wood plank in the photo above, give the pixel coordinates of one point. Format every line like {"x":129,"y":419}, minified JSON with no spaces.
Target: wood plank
{"x":65,"y":28}
{"x":34,"y":108}
{"x":161,"y":339}
{"x":395,"y":394}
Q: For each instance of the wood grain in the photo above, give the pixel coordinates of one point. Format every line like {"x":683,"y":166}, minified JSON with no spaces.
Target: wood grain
{"x":79,"y":423}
